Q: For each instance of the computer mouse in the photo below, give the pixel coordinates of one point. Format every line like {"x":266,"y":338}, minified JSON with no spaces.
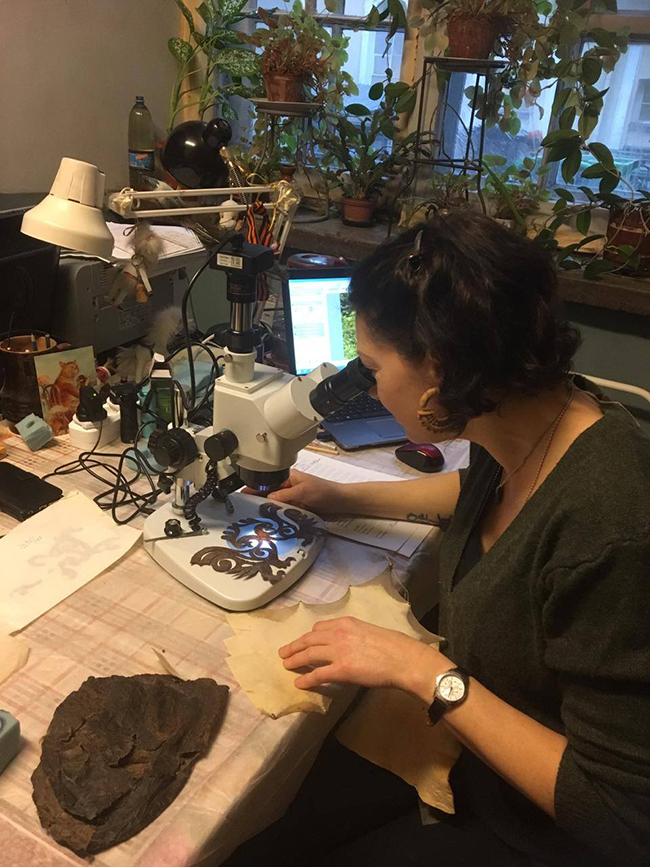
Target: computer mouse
{"x":424,"y":457}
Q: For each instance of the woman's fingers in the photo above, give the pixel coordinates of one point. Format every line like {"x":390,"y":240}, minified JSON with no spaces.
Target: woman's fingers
{"x":319,"y":676}
{"x":309,"y":639}
{"x":291,"y":494}
{"x":310,"y":656}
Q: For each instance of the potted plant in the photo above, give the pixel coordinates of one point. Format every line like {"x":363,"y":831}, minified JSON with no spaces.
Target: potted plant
{"x":361,"y":149}
{"x":444,"y":192}
{"x":628,"y":233}
{"x":626,"y":242}
{"x":514,"y":193}
{"x":300,"y":59}
{"x":215,"y":52}
{"x":542,"y":44}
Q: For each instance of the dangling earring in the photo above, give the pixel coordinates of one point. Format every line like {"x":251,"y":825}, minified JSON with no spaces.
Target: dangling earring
{"x":427,"y":416}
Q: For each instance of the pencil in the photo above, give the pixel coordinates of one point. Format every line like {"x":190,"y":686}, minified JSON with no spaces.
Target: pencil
{"x":323,"y":450}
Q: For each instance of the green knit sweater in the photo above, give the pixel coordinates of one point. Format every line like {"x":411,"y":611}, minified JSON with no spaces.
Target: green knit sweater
{"x":555,"y":620}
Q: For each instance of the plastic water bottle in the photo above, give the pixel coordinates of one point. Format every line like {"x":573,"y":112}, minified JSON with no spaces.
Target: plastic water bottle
{"x":141,"y":144}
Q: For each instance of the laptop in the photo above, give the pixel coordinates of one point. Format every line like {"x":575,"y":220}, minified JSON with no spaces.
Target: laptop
{"x":320,"y":327}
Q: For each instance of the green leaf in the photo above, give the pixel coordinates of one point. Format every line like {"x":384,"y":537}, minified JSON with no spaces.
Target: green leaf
{"x":594,"y":269}
{"x":373,"y":18}
{"x":406,"y":101}
{"x":567,"y":118}
{"x":561,"y":99}
{"x":588,"y":240}
{"x":396,"y":89}
{"x":571,"y":165}
{"x":561,"y":150}
{"x":494,"y":160}
{"x":570,"y":265}
{"x":181,"y":49}
{"x":608,"y":184}
{"x":567,"y":195}
{"x":230,"y":9}
{"x":588,"y":121}
{"x":238,"y":62}
{"x":591,"y":70}
{"x":376,"y":91}
{"x":602,"y":154}
{"x":205,"y":12}
{"x":569,"y":34}
{"x":187,"y":15}
{"x":626,"y":250}
{"x":358,"y":110}
{"x":603,"y":37}
{"x":583,"y":222}
{"x":331,"y":5}
{"x":595,"y":171}
{"x":560,"y":135}
{"x":528,"y":163}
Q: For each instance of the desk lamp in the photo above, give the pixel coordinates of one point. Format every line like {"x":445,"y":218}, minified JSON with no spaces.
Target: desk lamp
{"x":71,"y":215}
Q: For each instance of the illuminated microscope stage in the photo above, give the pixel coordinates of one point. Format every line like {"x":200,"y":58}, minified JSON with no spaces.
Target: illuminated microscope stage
{"x":247,"y":558}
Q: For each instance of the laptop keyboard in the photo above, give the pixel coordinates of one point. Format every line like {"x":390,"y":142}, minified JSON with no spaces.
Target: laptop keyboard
{"x":362,"y":406}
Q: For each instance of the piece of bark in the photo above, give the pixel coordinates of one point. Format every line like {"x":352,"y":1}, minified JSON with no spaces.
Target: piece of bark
{"x":118,"y":751}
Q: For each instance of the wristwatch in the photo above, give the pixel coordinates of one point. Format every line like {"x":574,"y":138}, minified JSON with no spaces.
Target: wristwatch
{"x":451,"y":690}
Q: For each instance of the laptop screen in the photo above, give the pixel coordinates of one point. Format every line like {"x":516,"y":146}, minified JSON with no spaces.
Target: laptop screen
{"x":322,"y":322}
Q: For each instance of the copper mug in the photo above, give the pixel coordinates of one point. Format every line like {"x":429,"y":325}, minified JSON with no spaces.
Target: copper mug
{"x":20,"y":394}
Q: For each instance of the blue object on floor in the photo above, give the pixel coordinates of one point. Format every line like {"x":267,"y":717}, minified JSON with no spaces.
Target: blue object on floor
{"x":34,"y":431}
{"x":9,"y":738}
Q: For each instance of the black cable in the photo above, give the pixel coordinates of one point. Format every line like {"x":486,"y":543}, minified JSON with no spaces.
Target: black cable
{"x":119,"y":485}
{"x":186,"y":328}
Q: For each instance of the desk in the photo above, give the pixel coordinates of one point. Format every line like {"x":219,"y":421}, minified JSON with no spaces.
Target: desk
{"x":110,"y":627}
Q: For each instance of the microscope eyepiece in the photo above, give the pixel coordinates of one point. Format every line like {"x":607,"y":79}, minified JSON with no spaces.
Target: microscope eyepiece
{"x":335,"y":391}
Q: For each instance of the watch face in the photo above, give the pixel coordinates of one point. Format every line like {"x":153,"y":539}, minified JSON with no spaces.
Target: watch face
{"x":451,"y":688}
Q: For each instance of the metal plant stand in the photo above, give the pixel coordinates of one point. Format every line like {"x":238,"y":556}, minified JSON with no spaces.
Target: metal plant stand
{"x":438,"y":127}
{"x":305,"y":156}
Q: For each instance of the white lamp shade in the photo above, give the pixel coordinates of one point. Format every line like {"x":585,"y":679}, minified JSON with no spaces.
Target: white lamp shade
{"x":71,"y":216}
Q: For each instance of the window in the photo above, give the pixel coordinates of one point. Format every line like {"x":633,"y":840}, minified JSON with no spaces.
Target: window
{"x":624,"y":124}
{"x":535,"y":120}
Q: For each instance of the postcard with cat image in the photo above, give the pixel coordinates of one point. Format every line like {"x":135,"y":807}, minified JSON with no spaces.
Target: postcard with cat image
{"x":60,"y":376}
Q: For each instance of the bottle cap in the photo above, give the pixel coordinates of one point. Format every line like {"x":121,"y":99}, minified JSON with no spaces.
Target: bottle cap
{"x":139,"y":99}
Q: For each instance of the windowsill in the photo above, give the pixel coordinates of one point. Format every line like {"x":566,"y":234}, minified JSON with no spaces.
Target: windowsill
{"x":612,"y":292}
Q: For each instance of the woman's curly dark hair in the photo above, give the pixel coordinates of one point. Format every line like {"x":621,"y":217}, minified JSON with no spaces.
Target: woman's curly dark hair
{"x":480,"y":299}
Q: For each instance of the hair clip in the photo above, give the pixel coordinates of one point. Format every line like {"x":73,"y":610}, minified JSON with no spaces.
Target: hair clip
{"x":415,"y":257}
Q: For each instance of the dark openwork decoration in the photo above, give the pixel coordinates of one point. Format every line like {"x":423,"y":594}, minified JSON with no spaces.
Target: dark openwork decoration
{"x":256,"y":551}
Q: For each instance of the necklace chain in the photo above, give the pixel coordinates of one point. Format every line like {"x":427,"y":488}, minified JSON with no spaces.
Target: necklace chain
{"x":552,"y":428}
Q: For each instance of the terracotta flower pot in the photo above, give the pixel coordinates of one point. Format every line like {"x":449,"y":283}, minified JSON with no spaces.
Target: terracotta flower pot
{"x":358,"y":212}
{"x":287,"y":172}
{"x":472,"y":35}
{"x":629,"y":227}
{"x":283,"y":88}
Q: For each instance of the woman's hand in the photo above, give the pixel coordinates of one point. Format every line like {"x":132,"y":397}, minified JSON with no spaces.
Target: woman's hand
{"x":309,"y":492}
{"x":347,"y":650}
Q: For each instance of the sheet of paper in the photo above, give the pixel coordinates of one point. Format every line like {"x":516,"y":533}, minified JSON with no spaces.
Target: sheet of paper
{"x":389,"y":728}
{"x":13,"y":655}
{"x":258,"y":635}
{"x":399,"y":536}
{"x":177,"y":241}
{"x":53,"y":554}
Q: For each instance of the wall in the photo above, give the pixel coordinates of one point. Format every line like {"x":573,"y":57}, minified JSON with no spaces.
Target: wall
{"x":71,"y":72}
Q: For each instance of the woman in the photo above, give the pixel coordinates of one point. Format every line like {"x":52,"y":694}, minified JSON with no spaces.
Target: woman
{"x":545,"y":578}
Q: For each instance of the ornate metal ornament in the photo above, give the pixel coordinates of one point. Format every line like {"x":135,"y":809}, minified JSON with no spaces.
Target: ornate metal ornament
{"x":254,"y":544}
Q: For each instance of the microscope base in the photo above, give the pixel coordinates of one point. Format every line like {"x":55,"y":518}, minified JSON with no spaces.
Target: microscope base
{"x":247,"y":558}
